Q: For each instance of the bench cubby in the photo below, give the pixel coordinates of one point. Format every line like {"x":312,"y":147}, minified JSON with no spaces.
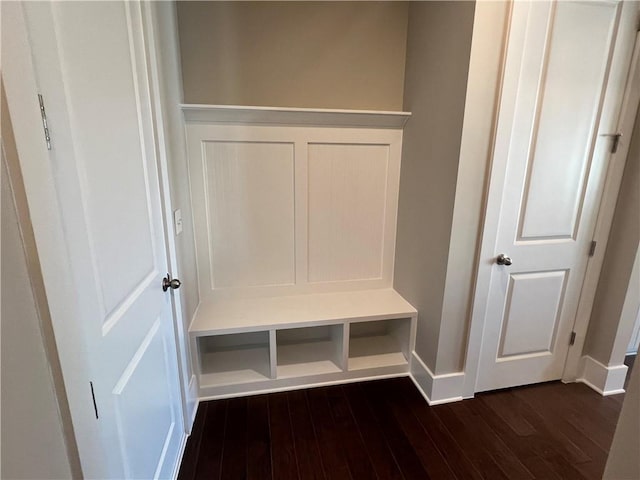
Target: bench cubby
{"x":244,"y":346}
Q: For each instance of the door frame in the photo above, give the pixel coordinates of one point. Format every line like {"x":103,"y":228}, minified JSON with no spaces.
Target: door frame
{"x":21,"y":86}
{"x":490,"y":219}
{"x":617,"y":162}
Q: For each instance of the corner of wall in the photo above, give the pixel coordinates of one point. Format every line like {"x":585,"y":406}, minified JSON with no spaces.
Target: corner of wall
{"x":436,"y":389}
{"x":606,"y":380}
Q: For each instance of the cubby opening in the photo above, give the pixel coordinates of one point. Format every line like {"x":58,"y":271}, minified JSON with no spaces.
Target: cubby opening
{"x":234,"y":358}
{"x":379,"y":343}
{"x":309,"y":351}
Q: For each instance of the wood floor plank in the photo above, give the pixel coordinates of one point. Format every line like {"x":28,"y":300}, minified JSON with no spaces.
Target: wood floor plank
{"x":234,"y":455}
{"x":304,"y":436}
{"x":283,"y":450}
{"x":384,"y":429}
{"x":376,"y":445}
{"x":192,"y":448}
{"x":425,"y":447}
{"x":356,"y":455}
{"x":549,"y":431}
{"x":212,"y":444}
{"x":469,"y":443}
{"x":456,"y":458}
{"x":258,"y":439}
{"x":510,"y":411}
{"x":536,"y":453}
{"x":406,"y":457}
{"x":331,"y":448}
{"x":502,"y":454}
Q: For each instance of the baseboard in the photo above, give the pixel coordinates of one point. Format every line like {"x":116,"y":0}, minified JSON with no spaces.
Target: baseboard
{"x":436,"y":389}
{"x":604,"y":380}
{"x":192,"y":403}
{"x":176,"y":467}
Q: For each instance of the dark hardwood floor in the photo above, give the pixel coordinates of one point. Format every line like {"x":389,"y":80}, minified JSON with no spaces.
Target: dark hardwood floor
{"x":385,"y":429}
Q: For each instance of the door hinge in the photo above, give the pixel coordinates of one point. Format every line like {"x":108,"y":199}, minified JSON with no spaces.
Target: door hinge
{"x":43,"y":114}
{"x":592,"y":248}
{"x":572,"y":340}
{"x":93,"y":396}
{"x":615,"y":140}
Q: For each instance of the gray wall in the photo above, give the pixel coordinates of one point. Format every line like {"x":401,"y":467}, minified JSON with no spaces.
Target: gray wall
{"x":36,"y":433}
{"x":618,"y":260}
{"x":438,"y":49}
{"x":345,"y":55}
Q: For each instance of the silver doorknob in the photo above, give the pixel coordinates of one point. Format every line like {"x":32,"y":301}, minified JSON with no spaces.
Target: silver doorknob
{"x":503,"y":260}
{"x":170,"y":283}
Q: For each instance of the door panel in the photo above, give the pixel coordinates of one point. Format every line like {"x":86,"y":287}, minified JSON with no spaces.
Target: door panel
{"x":529,"y":326}
{"x":555,"y":79}
{"x":137,"y":415}
{"x":91,"y":63}
{"x":565,"y":118}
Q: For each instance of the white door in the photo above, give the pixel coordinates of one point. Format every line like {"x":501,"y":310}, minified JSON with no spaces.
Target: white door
{"x":551,"y":146}
{"x":91,"y":67}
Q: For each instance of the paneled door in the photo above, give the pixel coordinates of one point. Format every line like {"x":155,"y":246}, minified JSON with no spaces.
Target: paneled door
{"x":91,"y":63}
{"x":553,"y":143}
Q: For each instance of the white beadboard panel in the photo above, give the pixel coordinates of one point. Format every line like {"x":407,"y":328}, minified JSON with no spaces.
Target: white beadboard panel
{"x":250,"y":205}
{"x":346,"y":205}
{"x":532,"y":312}
{"x":263,"y":195}
{"x":566,"y":119}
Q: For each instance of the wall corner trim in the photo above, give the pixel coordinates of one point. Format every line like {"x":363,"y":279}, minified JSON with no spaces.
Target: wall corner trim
{"x":308,"y":117}
{"x":604,"y":380}
{"x":193,"y":403}
{"x":436,"y":389}
{"x":178,"y":463}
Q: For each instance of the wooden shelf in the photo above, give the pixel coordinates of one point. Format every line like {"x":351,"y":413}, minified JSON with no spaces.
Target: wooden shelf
{"x":374,"y":352}
{"x":304,"y":359}
{"x":230,"y":367}
{"x":232,"y":315}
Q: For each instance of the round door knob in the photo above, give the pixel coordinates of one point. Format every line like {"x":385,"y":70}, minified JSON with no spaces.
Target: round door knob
{"x":170,"y":283}
{"x":503,"y":260}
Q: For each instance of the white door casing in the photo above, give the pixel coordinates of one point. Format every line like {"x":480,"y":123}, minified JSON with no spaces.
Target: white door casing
{"x":549,"y":165}
{"x":91,"y":65}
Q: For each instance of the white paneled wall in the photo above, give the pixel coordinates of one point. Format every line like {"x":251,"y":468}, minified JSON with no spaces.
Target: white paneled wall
{"x":347,"y":198}
{"x":281,"y":209}
{"x":249,"y":195}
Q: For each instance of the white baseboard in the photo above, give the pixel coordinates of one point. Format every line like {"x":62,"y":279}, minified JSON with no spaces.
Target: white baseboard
{"x":176,"y":467}
{"x":436,"y":389}
{"x":604,"y":380}
{"x":192,"y":402}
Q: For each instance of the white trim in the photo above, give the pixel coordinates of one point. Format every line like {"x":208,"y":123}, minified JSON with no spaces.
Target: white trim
{"x":150,"y":21}
{"x":487,"y":46}
{"x":302,"y":386}
{"x":176,"y":467}
{"x":191,"y":412}
{"x":316,"y":117}
{"x":604,"y":380}
{"x":436,"y":389}
{"x":481,"y":46}
{"x":607,"y":205}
